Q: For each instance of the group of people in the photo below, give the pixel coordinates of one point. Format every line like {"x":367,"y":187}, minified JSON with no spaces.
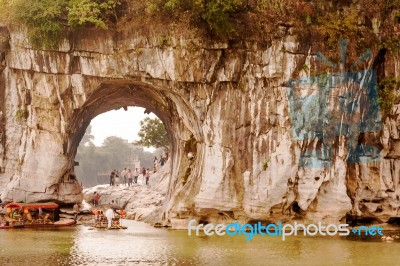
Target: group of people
{"x":128,"y":177}
{"x":158,"y":163}
{"x":26,"y":216}
{"x":95,"y":199}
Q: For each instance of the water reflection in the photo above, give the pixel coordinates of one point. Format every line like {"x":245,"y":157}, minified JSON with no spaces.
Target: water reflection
{"x":142,"y":244}
{"x":35,"y":246}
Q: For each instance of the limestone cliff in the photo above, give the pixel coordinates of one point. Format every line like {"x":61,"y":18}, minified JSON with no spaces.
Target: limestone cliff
{"x":226,"y":102}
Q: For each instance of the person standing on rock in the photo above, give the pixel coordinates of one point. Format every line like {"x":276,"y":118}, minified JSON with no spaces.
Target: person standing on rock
{"x":110,"y":216}
{"x":162,"y":161}
{"x":112,"y":176}
{"x":123,"y":175}
{"x":129,"y":176}
{"x":166,"y":154}
{"x":147,"y":176}
{"x":143,"y":174}
{"x":155,"y":164}
{"x":116,"y":178}
{"x":135,"y":175}
{"x":96,"y":216}
{"x":94,"y":199}
{"x":97,"y":199}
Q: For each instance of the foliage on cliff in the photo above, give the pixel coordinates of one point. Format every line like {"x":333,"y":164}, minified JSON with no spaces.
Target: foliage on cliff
{"x":367,"y":21}
{"x":387,"y":95}
{"x":41,"y":18}
{"x":48,"y":21}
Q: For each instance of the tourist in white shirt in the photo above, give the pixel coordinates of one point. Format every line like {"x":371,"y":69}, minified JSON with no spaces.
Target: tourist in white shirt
{"x":135,"y":175}
{"x":124,"y":175}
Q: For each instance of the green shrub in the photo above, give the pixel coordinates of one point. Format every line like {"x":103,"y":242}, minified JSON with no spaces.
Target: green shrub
{"x":22,"y":115}
{"x":392,"y":43}
{"x":336,"y":26}
{"x":318,"y":21}
{"x":274,"y":6}
{"x":218,"y":15}
{"x":90,"y":13}
{"x":43,"y":19}
{"x":176,"y":5}
{"x":387,"y":96}
{"x":396,"y":17}
{"x":265,"y":165}
{"x":49,"y":20}
{"x":162,"y":41}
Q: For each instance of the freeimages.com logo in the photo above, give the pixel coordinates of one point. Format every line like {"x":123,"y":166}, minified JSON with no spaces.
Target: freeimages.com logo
{"x":332,"y":105}
{"x":280,"y":229}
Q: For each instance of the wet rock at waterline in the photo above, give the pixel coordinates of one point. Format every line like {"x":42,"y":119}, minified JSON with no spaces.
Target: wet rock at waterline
{"x":225,"y":104}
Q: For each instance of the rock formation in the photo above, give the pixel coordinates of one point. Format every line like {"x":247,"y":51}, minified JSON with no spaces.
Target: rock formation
{"x":224,"y":102}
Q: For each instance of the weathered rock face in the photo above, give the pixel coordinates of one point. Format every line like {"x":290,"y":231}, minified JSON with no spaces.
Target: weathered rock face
{"x":224,"y":102}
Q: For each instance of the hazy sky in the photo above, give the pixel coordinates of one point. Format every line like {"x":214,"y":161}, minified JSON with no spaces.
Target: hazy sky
{"x":120,"y":123}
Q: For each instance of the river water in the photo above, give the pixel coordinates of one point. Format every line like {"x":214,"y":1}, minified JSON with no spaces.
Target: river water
{"x":142,"y":244}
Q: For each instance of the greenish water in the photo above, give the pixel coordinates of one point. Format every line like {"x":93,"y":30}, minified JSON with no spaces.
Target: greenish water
{"x":142,"y":244}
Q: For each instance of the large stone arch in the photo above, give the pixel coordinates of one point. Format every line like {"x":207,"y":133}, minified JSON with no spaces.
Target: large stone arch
{"x":180,"y":121}
{"x":224,"y":101}
{"x":51,"y":96}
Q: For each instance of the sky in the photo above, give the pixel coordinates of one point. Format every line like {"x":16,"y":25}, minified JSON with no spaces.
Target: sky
{"x":120,"y":123}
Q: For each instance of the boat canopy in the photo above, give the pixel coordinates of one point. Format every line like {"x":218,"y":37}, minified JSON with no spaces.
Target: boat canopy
{"x":43,"y":205}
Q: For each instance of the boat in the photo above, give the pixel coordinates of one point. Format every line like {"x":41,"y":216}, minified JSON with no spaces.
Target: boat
{"x":21,"y":215}
{"x":102,"y":223}
{"x":115,"y":225}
